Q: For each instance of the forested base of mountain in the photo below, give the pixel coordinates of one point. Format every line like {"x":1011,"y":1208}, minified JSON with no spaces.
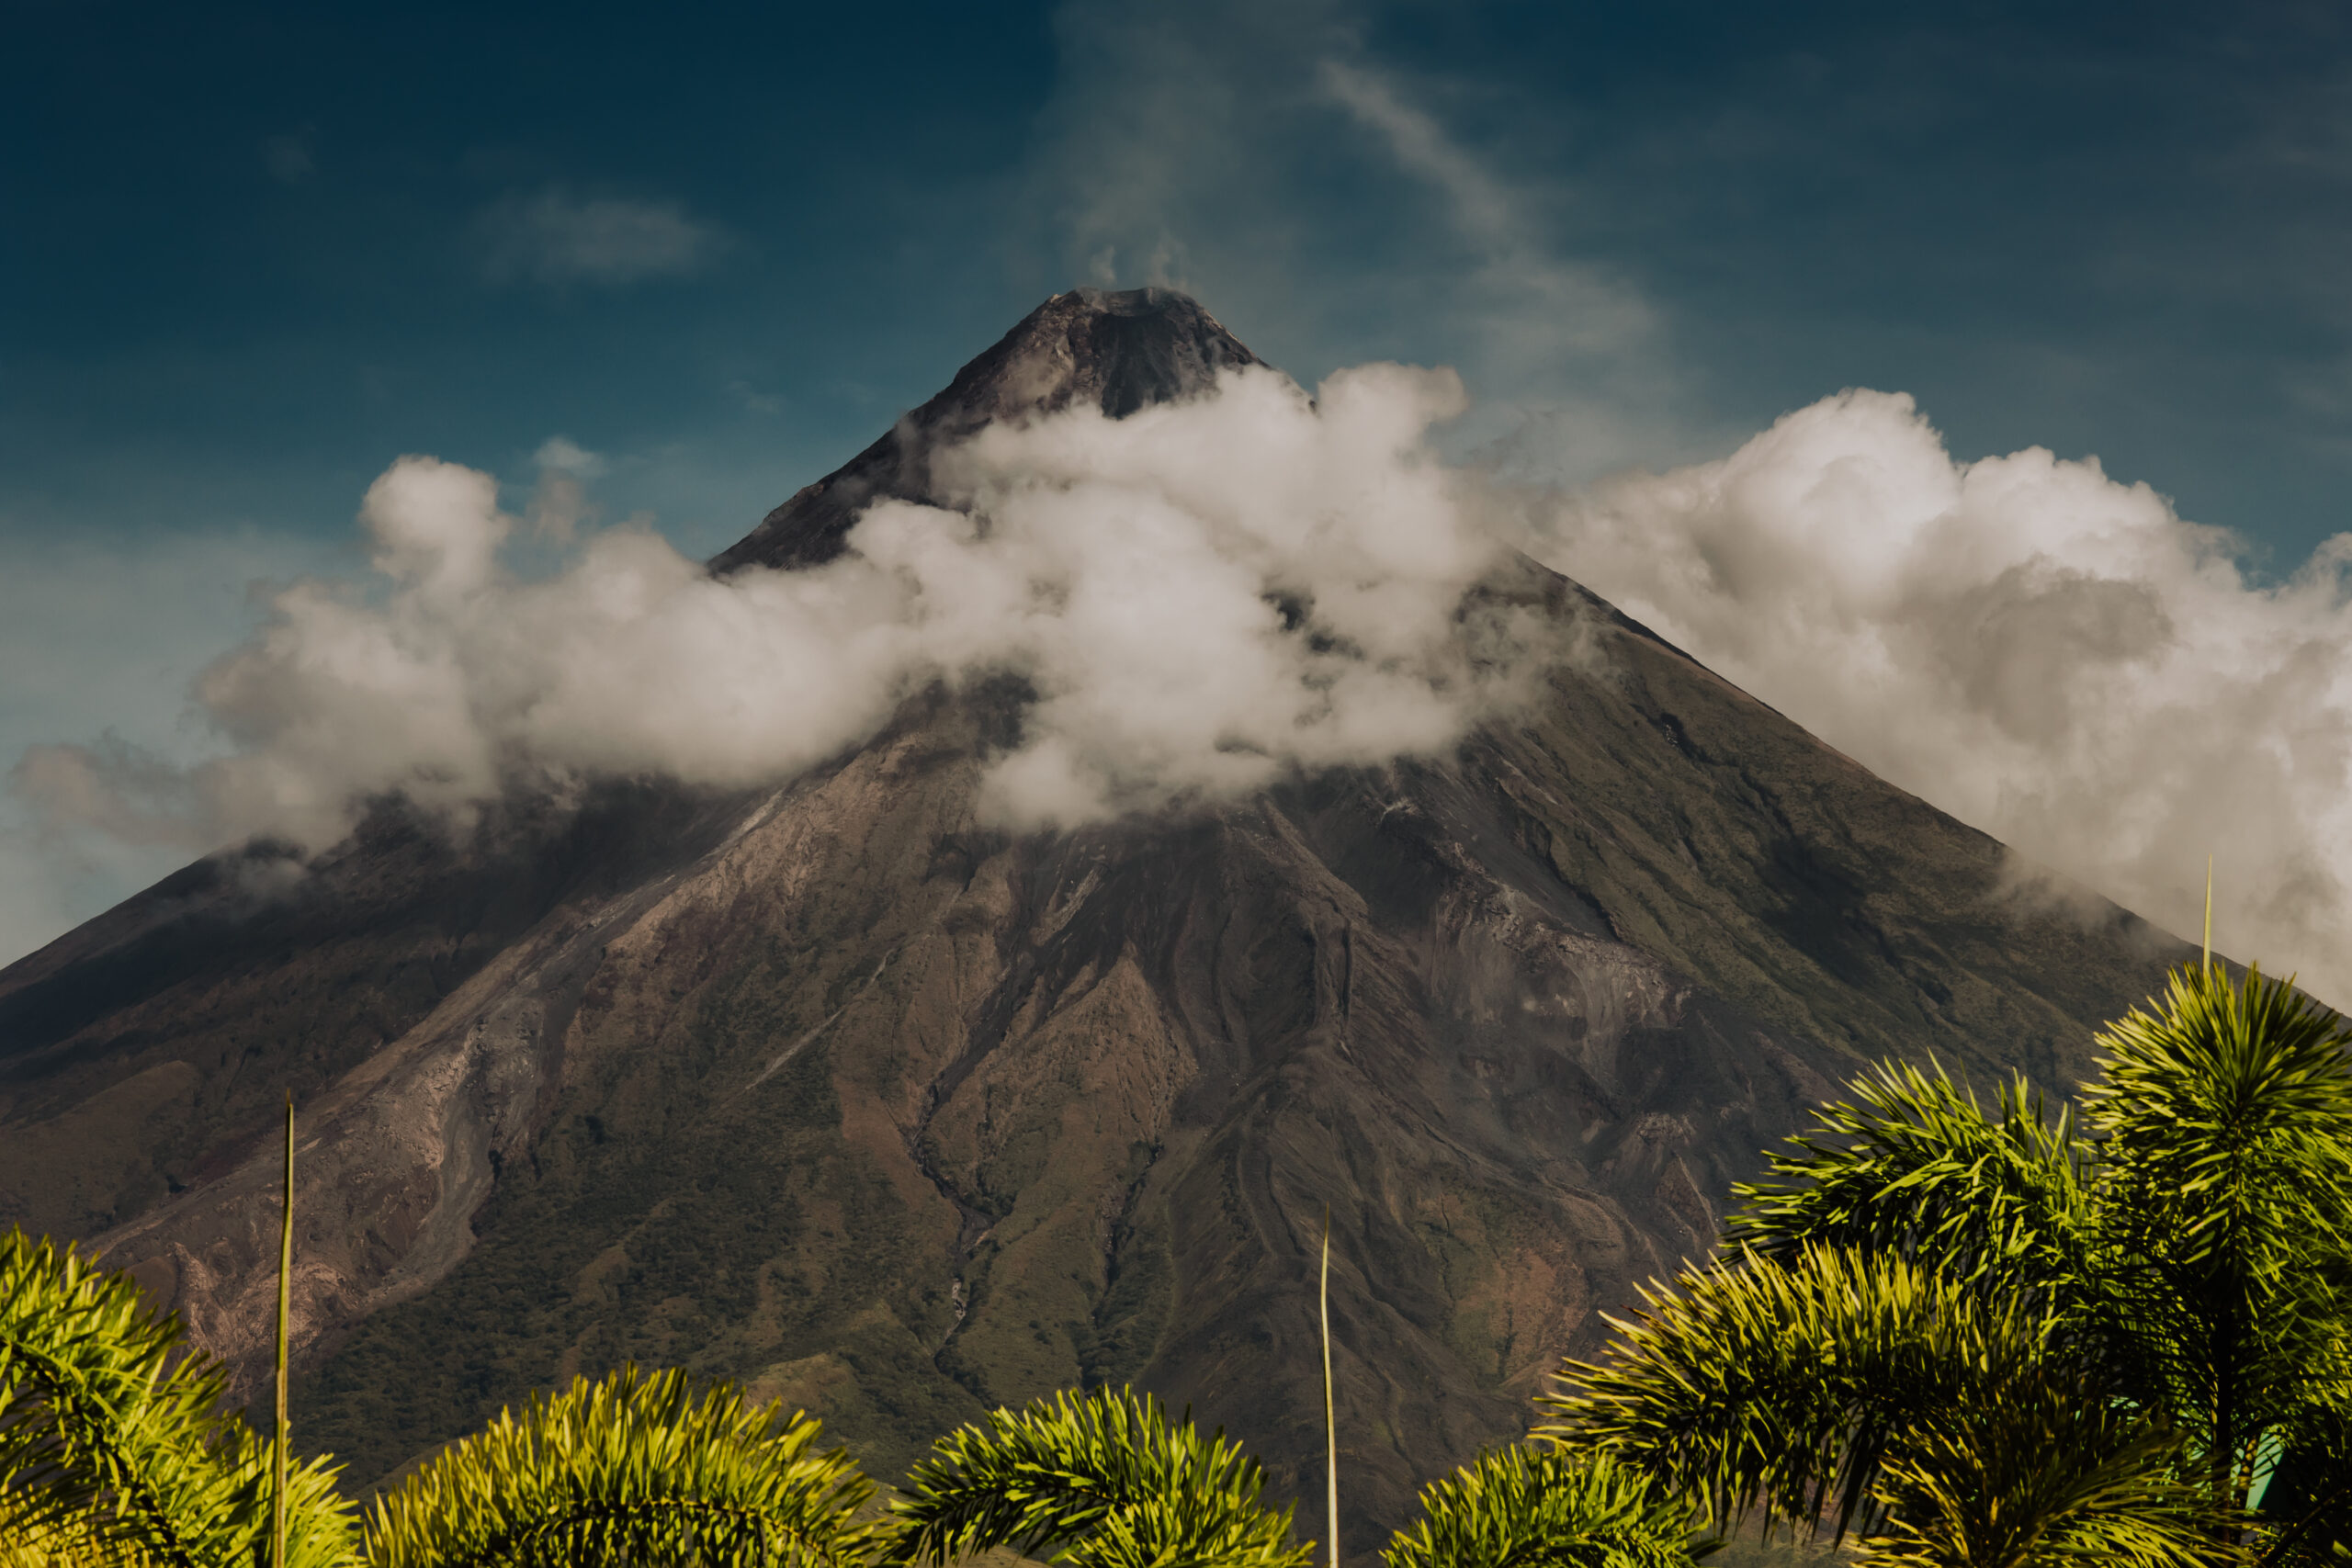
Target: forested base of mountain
{"x":729,"y":1244}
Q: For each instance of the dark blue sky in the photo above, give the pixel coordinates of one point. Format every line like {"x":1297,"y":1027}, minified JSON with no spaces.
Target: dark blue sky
{"x":251,"y":253}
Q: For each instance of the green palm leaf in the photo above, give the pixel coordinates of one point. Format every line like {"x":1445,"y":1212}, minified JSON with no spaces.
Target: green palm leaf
{"x":633,"y":1467}
{"x":110,"y":1427}
{"x":2226,"y":1115}
{"x":1996,"y":1342}
{"x":35,"y":1536}
{"x":1788,"y":1385}
{"x":2230,"y":1105}
{"x":1855,"y":1390}
{"x":1520,"y":1507}
{"x":2033,"y":1474}
{"x":1915,"y":1167}
{"x":1102,"y":1481}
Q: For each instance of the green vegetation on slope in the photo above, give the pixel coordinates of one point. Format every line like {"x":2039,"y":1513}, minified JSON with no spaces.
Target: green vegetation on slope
{"x":1987,"y":1339}
{"x":721,"y":1254}
{"x":1974,"y":1340}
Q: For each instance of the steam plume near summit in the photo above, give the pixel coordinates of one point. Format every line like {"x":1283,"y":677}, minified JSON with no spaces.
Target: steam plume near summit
{"x":1201,"y":596}
{"x":2050,"y":655}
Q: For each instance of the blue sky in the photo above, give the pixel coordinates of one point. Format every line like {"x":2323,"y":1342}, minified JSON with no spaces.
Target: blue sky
{"x":251,"y":255}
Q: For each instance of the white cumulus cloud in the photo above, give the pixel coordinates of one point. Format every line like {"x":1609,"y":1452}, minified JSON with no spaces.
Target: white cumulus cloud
{"x":1201,"y":596}
{"x":2049,"y":654}
{"x":1205,"y":597}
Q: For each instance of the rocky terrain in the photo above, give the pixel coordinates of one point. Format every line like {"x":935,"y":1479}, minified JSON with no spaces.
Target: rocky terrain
{"x":830,"y":1088}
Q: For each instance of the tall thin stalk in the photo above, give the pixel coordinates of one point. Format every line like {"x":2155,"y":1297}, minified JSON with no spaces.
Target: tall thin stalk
{"x":2207,"y":964}
{"x":285,"y":1304}
{"x":1331,"y":1419}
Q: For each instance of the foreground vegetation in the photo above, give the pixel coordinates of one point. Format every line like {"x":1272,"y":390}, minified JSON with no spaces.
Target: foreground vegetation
{"x":1969,"y":1338}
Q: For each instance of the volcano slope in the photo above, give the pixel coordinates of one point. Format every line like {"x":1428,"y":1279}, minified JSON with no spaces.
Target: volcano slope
{"x":833,"y":1089}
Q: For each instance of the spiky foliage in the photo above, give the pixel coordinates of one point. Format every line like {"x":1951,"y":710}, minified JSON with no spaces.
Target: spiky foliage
{"x":634,"y":1467}
{"x":2225,"y":1117}
{"x":1520,"y":1507}
{"x":40,"y":1538}
{"x":2186,"y":1261}
{"x":1862,"y":1389}
{"x":2033,"y":1474}
{"x":1915,"y":1167}
{"x":1789,"y":1385}
{"x":1102,"y":1481}
{"x":112,"y":1431}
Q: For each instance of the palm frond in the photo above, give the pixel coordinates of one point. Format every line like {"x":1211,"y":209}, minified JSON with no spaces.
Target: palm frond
{"x":1102,"y":1480}
{"x":2223,"y":1092}
{"x":2033,"y":1474}
{"x":1788,"y":1385}
{"x":39,"y":1537}
{"x":110,"y":1426}
{"x":2226,"y":1115}
{"x":1520,"y":1507}
{"x":636,"y":1468}
{"x":1914,"y":1166}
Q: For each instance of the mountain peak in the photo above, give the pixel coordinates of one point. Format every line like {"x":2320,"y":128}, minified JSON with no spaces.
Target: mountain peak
{"x":1120,"y":350}
{"x":833,"y":1090}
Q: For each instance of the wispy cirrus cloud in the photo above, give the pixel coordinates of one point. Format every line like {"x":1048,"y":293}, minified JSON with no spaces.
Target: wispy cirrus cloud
{"x":1332,"y":204}
{"x":1536,"y":319}
{"x":556,"y":237}
{"x":1573,"y":305}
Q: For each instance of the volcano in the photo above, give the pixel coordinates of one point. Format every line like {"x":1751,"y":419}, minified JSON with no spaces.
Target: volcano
{"x":833,"y":1089}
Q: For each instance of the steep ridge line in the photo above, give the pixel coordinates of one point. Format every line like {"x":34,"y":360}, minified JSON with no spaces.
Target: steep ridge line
{"x":1033,"y":1110}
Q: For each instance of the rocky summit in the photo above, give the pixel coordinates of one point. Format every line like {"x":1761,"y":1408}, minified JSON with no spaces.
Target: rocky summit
{"x":833,"y":1089}
{"x":1114,"y":351}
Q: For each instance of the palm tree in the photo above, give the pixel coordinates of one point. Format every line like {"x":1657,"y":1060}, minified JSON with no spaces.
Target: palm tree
{"x":113,"y":1439}
{"x":1543,"y":1507}
{"x":116,"y":1452}
{"x":1105,"y":1480}
{"x":2003,"y":1338}
{"x":1866,"y":1391}
{"x":1101,"y":1480}
{"x":631,"y":1468}
{"x":1987,"y":1339}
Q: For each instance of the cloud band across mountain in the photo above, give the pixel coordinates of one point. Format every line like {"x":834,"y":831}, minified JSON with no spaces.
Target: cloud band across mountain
{"x":1201,"y":596}
{"x":2049,"y":654}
